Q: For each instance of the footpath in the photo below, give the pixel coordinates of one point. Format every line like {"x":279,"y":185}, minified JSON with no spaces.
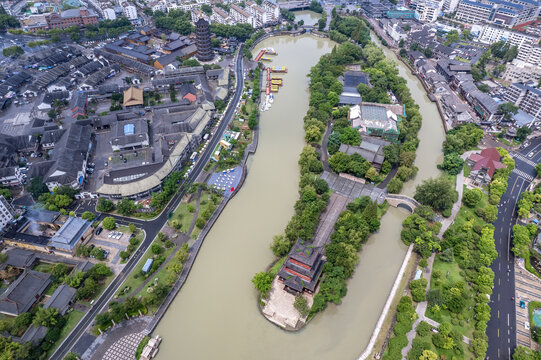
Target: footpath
{"x":427,"y":273}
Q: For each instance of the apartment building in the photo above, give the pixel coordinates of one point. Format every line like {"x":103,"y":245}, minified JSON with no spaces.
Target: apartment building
{"x":72,"y":17}
{"x":239,"y":15}
{"x":6,"y":213}
{"x":273,"y":11}
{"x":449,"y":6}
{"x":429,"y":10}
{"x":260,"y":15}
{"x":129,"y":11}
{"x":504,"y":13}
{"x":527,"y":98}
{"x":520,"y":71}
{"x":220,"y":16}
{"x":109,"y":14}
{"x":490,"y":34}
{"x":11,"y":176}
{"x":530,"y":53}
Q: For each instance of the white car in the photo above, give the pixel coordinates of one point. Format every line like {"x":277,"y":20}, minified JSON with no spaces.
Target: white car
{"x":530,"y":155}
{"x":527,"y":325}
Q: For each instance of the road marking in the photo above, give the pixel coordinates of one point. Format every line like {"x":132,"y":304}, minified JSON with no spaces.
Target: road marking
{"x":498,"y":318}
{"x":522,"y":174}
{"x":507,"y":319}
{"x":498,"y":335}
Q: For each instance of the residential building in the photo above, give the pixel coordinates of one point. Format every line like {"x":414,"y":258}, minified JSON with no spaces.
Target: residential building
{"x":259,"y":14}
{"x":401,"y":13}
{"x":109,"y":14}
{"x":526,"y":97}
{"x":240,"y":15}
{"x":70,"y":234}
{"x":530,"y":53}
{"x":484,"y":165}
{"x":376,"y":119}
{"x":499,"y":12}
{"x":485,"y":106}
{"x":72,"y":17}
{"x":61,"y":299}
{"x":202,"y":41}
{"x":129,"y":11}
{"x":11,"y":176}
{"x":522,"y":72}
{"x":272,"y":10}
{"x":371,"y":149}
{"x":449,"y":6}
{"x":427,"y":10}
{"x":220,"y":16}
{"x":302,"y":268}
{"x":24,"y":292}
{"x":7,"y":214}
{"x":490,"y":34}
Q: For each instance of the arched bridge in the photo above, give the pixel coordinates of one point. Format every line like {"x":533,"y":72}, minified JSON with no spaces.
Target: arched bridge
{"x":402,"y":201}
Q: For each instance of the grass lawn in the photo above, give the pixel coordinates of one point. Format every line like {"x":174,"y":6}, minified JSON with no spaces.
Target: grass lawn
{"x":183,"y":215}
{"x":447,"y":354}
{"x":133,"y":282}
{"x":51,"y":289}
{"x":467,"y":170}
{"x":276,"y":267}
{"x":43,"y":267}
{"x":160,"y":275}
{"x":451,"y":273}
{"x":73,"y":318}
{"x":206,"y":203}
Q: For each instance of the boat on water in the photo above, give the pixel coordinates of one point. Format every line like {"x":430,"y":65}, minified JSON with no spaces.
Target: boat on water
{"x":270,"y":51}
{"x":271,"y":98}
{"x":265,"y":58}
{"x":281,"y":69}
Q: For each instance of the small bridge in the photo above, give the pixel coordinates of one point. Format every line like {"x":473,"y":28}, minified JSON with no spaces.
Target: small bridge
{"x":402,"y":201}
{"x":294,"y":5}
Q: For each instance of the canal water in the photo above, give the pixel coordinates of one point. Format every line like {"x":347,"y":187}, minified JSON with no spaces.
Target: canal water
{"x":215,"y":315}
{"x":309,"y":17}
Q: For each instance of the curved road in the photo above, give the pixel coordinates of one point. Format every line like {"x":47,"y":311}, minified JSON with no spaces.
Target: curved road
{"x":153,"y":227}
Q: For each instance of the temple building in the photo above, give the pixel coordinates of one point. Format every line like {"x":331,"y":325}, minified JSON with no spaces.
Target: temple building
{"x":202,"y":41}
{"x":302,"y":268}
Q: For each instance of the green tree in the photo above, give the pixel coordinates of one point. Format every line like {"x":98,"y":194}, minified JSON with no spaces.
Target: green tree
{"x":37,"y":187}
{"x":395,"y":185}
{"x":132,"y":228}
{"x":87,"y":215}
{"x":263,"y":283}
{"x":438,"y":193}
{"x":156,"y":249}
{"x":350,"y":136}
{"x":472,"y":197}
{"x":507,"y":110}
{"x":45,"y":317}
{"x":59,"y":270}
{"x":12,"y":51}
{"x":280,"y":245}
{"x":452,"y":37}
{"x":452,"y":163}
{"x":105,"y":205}
{"x":126,"y":207}
{"x":109,"y":223}
{"x":429,"y":355}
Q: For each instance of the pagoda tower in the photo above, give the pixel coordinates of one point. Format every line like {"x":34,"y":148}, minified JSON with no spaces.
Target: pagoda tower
{"x":202,"y":40}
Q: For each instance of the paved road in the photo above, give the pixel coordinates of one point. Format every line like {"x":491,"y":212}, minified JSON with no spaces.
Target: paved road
{"x":501,"y":327}
{"x":153,"y":227}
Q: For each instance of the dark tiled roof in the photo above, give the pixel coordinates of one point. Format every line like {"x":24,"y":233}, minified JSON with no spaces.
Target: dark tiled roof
{"x":61,"y":299}
{"x":24,"y":292}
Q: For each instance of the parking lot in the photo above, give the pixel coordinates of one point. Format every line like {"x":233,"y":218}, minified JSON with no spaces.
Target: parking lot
{"x":527,"y":288}
{"x":113,"y":242}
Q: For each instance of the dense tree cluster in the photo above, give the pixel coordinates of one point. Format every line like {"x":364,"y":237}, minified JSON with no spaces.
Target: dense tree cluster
{"x":438,"y":193}
{"x":498,"y":185}
{"x":176,"y":20}
{"x":462,"y":138}
{"x":351,"y":231}
{"x":59,"y":200}
{"x":108,"y":28}
{"x":405,"y":316}
{"x":169,"y":187}
{"x":7,"y":21}
{"x":522,"y":237}
{"x":421,"y":229}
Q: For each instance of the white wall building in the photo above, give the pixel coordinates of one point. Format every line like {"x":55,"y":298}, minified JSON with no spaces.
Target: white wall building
{"x":6,"y":213}
{"x":520,"y":71}
{"x":220,"y":16}
{"x":129,"y":11}
{"x":239,"y":15}
{"x":449,"y":6}
{"x":429,"y":10}
{"x":109,"y":14}
{"x":273,"y":11}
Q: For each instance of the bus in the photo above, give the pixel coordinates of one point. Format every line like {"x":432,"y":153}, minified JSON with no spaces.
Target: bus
{"x":193,"y":157}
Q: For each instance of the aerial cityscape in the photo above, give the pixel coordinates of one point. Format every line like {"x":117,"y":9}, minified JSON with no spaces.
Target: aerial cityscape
{"x":270,"y":179}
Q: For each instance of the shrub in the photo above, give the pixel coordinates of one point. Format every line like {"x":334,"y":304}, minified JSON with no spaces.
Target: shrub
{"x":423,"y":329}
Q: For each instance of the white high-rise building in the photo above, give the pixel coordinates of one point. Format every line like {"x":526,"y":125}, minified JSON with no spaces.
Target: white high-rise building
{"x":130,"y":11}
{"x":6,"y":213}
{"x":109,"y":14}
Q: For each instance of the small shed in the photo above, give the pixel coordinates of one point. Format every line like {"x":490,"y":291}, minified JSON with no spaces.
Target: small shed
{"x":148,"y":265}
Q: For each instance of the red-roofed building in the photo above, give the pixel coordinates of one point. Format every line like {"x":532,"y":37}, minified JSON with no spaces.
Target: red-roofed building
{"x":484,"y":165}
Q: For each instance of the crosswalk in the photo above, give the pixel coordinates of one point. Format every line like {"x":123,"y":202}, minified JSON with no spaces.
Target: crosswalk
{"x":524,"y":159}
{"x":523,"y":174}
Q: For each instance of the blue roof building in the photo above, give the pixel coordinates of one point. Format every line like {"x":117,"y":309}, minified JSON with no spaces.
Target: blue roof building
{"x":67,"y":237}
{"x":148,"y":265}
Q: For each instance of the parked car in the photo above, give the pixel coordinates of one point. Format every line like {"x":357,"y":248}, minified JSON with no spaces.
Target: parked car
{"x":99,"y":230}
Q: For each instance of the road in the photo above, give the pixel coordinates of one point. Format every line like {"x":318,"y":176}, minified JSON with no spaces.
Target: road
{"x":501,"y":327}
{"x":153,"y":227}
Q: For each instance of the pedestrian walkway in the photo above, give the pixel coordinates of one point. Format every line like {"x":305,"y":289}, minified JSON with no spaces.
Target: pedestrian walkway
{"x":523,"y":159}
{"x":523,"y":174}
{"x":196,"y":212}
{"x":337,"y":204}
